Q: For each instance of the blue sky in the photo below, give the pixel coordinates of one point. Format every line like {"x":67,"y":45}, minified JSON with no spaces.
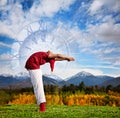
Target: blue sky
{"x":89,"y":30}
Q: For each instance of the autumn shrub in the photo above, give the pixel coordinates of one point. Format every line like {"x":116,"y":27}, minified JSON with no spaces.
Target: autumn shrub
{"x":111,"y":99}
{"x":95,"y":100}
{"x":112,"y":93}
{"x":23,"y":99}
{"x":54,"y":99}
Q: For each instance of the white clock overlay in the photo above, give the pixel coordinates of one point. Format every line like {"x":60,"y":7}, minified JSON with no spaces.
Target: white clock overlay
{"x":42,"y":35}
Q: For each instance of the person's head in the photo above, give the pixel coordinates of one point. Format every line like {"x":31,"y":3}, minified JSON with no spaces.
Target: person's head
{"x":48,"y":51}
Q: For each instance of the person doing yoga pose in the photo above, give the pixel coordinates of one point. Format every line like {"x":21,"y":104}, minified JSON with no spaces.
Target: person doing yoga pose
{"x":33,"y":64}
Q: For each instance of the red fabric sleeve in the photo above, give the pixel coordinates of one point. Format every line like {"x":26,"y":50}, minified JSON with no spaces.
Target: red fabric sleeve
{"x":52,"y":62}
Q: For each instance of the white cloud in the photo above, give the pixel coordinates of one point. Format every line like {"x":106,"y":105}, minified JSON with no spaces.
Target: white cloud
{"x":6,"y":66}
{"x":16,"y":16}
{"x":106,"y":55}
{"x":72,"y":71}
{"x":17,"y":19}
{"x":117,"y":62}
{"x":95,"y":6}
{"x":14,"y":20}
{"x":105,"y":51}
{"x":3,"y":2}
{"x":81,"y":40}
{"x":105,"y":32}
{"x":110,"y":31}
{"x":111,"y":5}
{"x":93,"y":71}
{"x":5,"y":56}
{"x":6,"y":69}
{"x":113,"y":60}
{"x":4,"y":44}
{"x":50,"y":7}
{"x":6,"y":30}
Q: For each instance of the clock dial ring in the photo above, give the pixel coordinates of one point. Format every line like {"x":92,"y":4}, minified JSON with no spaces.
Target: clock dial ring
{"x":40,"y":36}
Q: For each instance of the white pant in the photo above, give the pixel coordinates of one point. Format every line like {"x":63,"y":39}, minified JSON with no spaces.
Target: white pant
{"x":37,"y":82}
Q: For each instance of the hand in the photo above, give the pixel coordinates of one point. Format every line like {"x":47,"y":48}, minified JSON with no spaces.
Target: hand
{"x":71,"y":59}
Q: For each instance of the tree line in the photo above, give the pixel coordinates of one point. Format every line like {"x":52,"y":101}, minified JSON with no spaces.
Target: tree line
{"x":8,"y":94}
{"x":80,"y":88}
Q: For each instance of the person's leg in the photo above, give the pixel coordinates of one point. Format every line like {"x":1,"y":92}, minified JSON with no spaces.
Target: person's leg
{"x":36,"y":79}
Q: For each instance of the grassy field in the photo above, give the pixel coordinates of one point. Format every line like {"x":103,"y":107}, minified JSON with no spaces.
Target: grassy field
{"x":31,"y":111}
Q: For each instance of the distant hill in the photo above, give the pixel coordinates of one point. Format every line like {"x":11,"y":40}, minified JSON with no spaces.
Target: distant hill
{"x":23,"y":81}
{"x":9,"y":80}
{"x":113,"y":82}
{"x":49,"y":80}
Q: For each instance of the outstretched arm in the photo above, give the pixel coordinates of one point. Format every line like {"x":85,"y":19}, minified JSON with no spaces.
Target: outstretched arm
{"x":59,"y":57}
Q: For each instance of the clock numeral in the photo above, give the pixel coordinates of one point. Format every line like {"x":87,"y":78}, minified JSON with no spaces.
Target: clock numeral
{"x":29,"y":30}
{"x":19,"y":42}
{"x":28,"y":48}
{"x":34,"y":40}
{"x":43,"y":25}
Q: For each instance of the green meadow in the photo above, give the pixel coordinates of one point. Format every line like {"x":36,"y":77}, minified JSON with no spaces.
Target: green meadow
{"x":59,"y":111}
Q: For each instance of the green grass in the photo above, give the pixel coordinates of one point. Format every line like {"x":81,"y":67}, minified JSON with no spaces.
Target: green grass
{"x":56,"y":111}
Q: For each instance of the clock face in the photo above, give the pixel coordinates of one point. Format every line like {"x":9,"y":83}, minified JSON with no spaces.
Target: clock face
{"x":40,"y":36}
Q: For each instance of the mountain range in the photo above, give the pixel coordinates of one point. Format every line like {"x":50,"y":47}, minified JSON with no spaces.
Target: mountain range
{"x":22,"y":81}
{"x":88,"y":79}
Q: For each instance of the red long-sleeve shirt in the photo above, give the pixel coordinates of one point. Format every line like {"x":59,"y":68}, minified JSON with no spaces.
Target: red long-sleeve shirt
{"x":37,"y":59}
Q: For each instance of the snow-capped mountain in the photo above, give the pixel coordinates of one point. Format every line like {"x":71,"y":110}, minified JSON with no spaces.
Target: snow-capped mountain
{"x":22,"y":81}
{"x":87,"y":78}
{"x":83,"y":74}
{"x":9,"y":81}
{"x":53,"y":76}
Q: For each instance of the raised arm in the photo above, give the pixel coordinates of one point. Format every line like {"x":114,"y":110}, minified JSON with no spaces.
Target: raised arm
{"x":59,"y":57}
